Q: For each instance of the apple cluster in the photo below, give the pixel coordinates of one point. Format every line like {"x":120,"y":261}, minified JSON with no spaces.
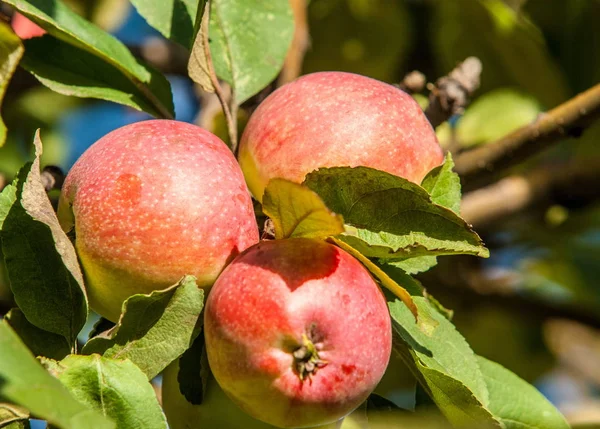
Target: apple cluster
{"x":297,"y":331}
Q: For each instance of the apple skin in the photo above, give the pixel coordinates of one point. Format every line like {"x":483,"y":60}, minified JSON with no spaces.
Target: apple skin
{"x":25,"y":28}
{"x":263,"y":308}
{"x":334,"y":119}
{"x":151,"y":202}
{"x":217,"y":410}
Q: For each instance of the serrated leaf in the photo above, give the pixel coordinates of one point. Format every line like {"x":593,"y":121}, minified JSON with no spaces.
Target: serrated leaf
{"x":61,"y":22}
{"x":249,"y":40}
{"x":516,"y":403}
{"x":11,"y":51}
{"x":41,"y":262}
{"x":413,"y":265}
{"x":8,"y":196}
{"x":39,"y":341}
{"x":443,"y":362}
{"x":154,"y":329}
{"x":200,"y":66}
{"x":296,"y":211}
{"x":174,"y":19}
{"x":13,"y":417}
{"x":72,"y":71}
{"x":456,"y":402}
{"x":443,"y":185}
{"x":19,"y":371}
{"x":390,"y":217}
{"x":116,"y":388}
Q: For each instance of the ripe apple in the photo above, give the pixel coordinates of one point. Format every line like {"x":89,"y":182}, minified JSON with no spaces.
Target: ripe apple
{"x":25,"y":28}
{"x":151,"y":202}
{"x":297,"y":332}
{"x":217,"y":410}
{"x":334,"y":119}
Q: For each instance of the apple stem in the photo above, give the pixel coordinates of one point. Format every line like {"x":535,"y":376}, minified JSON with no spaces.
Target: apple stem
{"x":306,"y":358}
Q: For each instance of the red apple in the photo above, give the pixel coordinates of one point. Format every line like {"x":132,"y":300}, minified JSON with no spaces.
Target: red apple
{"x":334,"y":119}
{"x":151,"y":202}
{"x":25,"y":28}
{"x":297,"y":332}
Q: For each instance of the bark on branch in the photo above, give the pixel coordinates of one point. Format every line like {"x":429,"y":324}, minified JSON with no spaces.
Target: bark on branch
{"x":478,"y":166}
{"x":451,"y":93}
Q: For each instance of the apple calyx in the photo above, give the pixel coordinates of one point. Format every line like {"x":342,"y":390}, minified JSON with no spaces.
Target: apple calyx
{"x":306,"y":357}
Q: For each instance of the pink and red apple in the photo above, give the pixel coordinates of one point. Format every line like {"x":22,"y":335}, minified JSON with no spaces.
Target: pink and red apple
{"x":334,"y":119}
{"x":297,"y":332}
{"x":151,"y":202}
{"x":25,"y":28}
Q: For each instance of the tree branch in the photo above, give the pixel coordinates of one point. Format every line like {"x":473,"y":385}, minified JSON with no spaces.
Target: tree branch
{"x":478,"y":166}
{"x":451,"y":93}
{"x":292,"y":67}
{"x":547,"y":183}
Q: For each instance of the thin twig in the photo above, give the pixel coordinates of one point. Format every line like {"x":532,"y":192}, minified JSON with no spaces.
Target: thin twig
{"x":292,"y":67}
{"x":413,"y":83}
{"x":478,"y":166}
{"x":229,"y":118}
{"x":513,"y":194}
{"x":450,"y":94}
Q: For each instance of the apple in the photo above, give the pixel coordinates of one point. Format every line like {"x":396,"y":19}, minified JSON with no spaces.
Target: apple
{"x":217,"y":410}
{"x":151,"y":202}
{"x":25,"y":28}
{"x":297,"y":332}
{"x":334,"y":119}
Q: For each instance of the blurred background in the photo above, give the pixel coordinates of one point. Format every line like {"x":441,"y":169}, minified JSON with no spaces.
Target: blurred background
{"x":534,"y":305}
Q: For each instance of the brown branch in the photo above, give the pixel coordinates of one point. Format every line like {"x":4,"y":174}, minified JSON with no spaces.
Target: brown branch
{"x":451,"y":93}
{"x":478,"y":166}
{"x":292,"y":67}
{"x":547,"y":183}
{"x":413,"y":83}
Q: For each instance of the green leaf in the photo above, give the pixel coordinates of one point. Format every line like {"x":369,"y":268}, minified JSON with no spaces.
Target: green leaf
{"x":443,"y":185}
{"x":174,"y":19}
{"x":116,"y":388}
{"x":496,"y":114}
{"x":8,"y":196}
{"x":39,"y":341}
{"x":41,"y":262}
{"x":390,"y":217}
{"x":456,"y":402}
{"x":72,"y":71}
{"x":249,"y":40}
{"x":443,"y":363}
{"x":49,"y":400}
{"x":61,"y":22}
{"x":200,"y":66}
{"x":413,"y":265}
{"x":516,"y":403}
{"x":154,"y":329}
{"x":11,"y":51}
{"x":193,"y":371}
{"x":296,"y":211}
{"x":13,"y":417}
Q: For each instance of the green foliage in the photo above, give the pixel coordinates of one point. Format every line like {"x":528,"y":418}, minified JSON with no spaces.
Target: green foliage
{"x":391,"y":217}
{"x":50,"y":400}
{"x":11,"y":51}
{"x":515,"y":403}
{"x":443,"y":185}
{"x":41,"y":262}
{"x":296,"y":211}
{"x":154,"y":329}
{"x":64,"y":24}
{"x":175,"y":19}
{"x":39,"y":341}
{"x":116,"y":388}
{"x":249,"y":40}
{"x":13,"y":417}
